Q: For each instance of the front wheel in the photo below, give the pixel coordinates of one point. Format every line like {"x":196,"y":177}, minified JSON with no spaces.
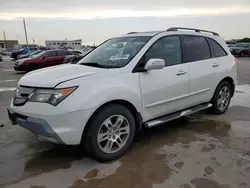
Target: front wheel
{"x":221,"y":98}
{"x":32,"y":67}
{"x":110,"y":133}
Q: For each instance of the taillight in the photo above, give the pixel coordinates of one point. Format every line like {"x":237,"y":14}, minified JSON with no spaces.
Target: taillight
{"x":235,"y":60}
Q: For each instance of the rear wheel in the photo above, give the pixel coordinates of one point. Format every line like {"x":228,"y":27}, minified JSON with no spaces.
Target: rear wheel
{"x":221,"y":98}
{"x":110,"y":133}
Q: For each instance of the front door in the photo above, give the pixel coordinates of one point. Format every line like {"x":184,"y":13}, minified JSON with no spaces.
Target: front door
{"x":166,"y":90}
{"x":49,"y":59}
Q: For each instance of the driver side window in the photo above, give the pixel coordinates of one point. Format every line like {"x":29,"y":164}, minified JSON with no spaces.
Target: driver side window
{"x":167,"y":48}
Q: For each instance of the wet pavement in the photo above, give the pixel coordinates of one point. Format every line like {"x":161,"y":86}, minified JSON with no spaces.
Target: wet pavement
{"x":199,"y":151}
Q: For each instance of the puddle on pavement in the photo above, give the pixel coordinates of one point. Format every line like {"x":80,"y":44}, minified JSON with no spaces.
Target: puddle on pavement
{"x":206,"y":183}
{"x":59,"y":157}
{"x":146,"y":164}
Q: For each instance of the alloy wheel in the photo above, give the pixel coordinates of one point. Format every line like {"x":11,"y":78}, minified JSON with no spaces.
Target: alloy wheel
{"x":223,"y":98}
{"x":113,"y":134}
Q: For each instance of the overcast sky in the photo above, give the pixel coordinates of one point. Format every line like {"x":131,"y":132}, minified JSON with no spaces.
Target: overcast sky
{"x":97,"y":20}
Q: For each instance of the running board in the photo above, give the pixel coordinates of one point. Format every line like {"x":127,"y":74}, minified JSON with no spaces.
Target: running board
{"x":176,"y":115}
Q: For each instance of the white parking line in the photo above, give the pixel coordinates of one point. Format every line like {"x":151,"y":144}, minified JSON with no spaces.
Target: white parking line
{"x":8,"y":70}
{"x":7,"y":89}
{"x":7,"y":81}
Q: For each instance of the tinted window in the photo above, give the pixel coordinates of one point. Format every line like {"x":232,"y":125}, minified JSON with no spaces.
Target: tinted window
{"x":167,"y":48}
{"x":216,"y":49}
{"x":63,"y":53}
{"x":32,"y":49}
{"x":50,"y":54}
{"x":195,"y":48}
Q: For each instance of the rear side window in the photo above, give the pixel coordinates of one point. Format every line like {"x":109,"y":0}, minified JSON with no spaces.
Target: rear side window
{"x":64,"y":53}
{"x":195,"y":48}
{"x":50,"y":54}
{"x":216,"y":49}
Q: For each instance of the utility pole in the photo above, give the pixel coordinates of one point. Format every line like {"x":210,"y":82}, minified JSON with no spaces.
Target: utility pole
{"x":4,"y":39}
{"x":24,"y":25}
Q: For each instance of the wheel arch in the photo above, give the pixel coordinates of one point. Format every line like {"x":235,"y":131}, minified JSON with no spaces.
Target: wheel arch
{"x":231,"y":82}
{"x":137,"y":115}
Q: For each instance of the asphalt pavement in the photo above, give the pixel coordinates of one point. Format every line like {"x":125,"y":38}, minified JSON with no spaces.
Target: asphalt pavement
{"x":199,"y":151}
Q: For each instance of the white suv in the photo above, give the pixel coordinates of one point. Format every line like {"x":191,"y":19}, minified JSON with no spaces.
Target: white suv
{"x":128,"y":83}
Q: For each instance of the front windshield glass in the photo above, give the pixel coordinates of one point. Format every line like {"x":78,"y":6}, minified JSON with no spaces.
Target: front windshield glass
{"x":38,"y":55}
{"x":239,"y":45}
{"x":115,"y":53}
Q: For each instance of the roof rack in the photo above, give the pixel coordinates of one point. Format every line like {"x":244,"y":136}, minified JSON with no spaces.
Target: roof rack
{"x":192,"y":29}
{"x":131,"y":33}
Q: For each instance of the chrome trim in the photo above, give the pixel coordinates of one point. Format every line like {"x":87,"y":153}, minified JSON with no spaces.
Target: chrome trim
{"x":165,"y":101}
{"x":200,"y":91}
{"x":187,"y":112}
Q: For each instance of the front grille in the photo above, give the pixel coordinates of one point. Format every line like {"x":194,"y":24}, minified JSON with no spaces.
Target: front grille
{"x":21,"y":95}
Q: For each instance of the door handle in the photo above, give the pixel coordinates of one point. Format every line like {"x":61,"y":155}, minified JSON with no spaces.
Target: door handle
{"x":215,"y":65}
{"x":181,"y":72}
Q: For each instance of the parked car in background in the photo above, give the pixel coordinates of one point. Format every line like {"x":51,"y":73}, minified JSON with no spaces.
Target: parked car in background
{"x":16,"y":53}
{"x":128,"y":83}
{"x":29,"y":54}
{"x":6,"y":52}
{"x":231,"y":45}
{"x":79,"y":54}
{"x":41,"y":60}
{"x":240,"y":49}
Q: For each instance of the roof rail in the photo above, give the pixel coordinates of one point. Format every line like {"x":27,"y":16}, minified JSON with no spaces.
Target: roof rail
{"x":192,"y":29}
{"x":131,"y":33}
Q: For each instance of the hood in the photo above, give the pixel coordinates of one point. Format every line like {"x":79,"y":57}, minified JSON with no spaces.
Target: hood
{"x":52,"y":76}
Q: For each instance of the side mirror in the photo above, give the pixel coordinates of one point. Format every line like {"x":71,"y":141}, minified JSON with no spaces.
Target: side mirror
{"x":154,"y":64}
{"x":43,"y":57}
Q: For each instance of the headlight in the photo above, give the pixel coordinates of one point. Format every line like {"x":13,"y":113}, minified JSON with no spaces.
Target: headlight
{"x":19,"y":62}
{"x":51,"y":96}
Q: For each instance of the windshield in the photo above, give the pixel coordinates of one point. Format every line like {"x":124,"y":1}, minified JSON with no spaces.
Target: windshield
{"x":38,"y":55}
{"x":239,"y":45}
{"x":115,"y":53}
{"x":33,"y":54}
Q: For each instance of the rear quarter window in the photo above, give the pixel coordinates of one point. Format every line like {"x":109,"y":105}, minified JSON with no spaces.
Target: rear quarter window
{"x":216,"y":49}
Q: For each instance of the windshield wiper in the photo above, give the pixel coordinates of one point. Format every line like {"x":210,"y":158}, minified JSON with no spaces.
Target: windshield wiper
{"x":97,"y":65}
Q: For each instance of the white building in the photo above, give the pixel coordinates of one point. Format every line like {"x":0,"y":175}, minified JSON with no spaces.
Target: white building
{"x":55,"y":44}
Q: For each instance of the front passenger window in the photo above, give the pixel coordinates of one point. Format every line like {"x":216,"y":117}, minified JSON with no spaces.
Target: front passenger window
{"x":167,"y":48}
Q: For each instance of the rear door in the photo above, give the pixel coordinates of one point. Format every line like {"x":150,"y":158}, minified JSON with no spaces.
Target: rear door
{"x":61,"y":56}
{"x":203,"y":74}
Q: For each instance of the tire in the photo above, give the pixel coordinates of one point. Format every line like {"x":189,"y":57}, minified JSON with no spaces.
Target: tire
{"x":32,"y":67}
{"x":220,"y":100}
{"x":241,"y":54}
{"x":97,"y":126}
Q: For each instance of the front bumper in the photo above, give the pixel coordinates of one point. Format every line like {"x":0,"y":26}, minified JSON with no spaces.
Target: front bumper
{"x":54,"y":124}
{"x":37,"y":126}
{"x":20,"y":68}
